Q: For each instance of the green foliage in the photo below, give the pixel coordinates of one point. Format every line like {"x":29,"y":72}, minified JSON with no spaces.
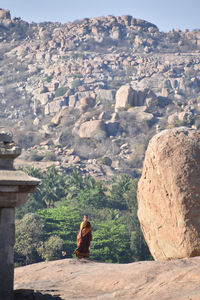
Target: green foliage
{"x":63,"y":222}
{"x":35,"y":156}
{"x":29,"y":233}
{"x":49,"y":78}
{"x":60,"y":202}
{"x":60,"y":91}
{"x":52,"y":248}
{"x":76,"y":83}
{"x":122,"y":192}
{"x":77,"y":75}
{"x":86,"y":191}
{"x":53,"y":188}
{"x":105,"y":161}
{"x":111,"y":242}
{"x":50,"y":156}
{"x":179,"y":123}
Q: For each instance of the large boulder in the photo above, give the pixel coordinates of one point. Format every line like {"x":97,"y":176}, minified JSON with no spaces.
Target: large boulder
{"x":55,"y":106}
{"x":92,"y":129}
{"x":4,"y":14}
{"x":103,"y":94}
{"x":125,"y":97}
{"x":87,"y":102}
{"x":169,"y":194}
{"x":140,"y":114}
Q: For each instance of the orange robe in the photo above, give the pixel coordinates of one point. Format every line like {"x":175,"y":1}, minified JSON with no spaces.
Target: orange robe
{"x":84,"y":238}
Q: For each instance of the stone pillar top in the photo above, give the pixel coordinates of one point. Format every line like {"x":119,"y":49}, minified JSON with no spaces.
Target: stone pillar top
{"x":9,"y":150}
{"x":13,"y":182}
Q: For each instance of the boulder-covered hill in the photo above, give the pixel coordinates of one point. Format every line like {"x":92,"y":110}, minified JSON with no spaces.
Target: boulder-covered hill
{"x":91,"y":93}
{"x":73,"y":279}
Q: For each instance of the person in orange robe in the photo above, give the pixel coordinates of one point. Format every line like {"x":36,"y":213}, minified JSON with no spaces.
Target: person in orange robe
{"x":84,"y":238}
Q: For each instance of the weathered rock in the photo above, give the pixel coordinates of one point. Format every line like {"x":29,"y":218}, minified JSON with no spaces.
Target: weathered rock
{"x":184,"y":117}
{"x":45,"y":98}
{"x":172,"y":119}
{"x":103,"y":94}
{"x":92,"y":129}
{"x":124,"y":97}
{"x":146,"y":280}
{"x":168,"y":194}
{"x":87,"y":102}
{"x":5,"y":14}
{"x":140,"y":114}
{"x":72,"y":100}
{"x":112,"y":128}
{"x":55,"y":106}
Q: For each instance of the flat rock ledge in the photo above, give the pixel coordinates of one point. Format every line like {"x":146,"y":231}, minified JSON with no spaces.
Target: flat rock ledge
{"x":82,"y":279}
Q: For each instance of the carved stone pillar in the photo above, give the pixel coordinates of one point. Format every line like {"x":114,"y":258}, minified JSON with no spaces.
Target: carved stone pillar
{"x":14,"y":188}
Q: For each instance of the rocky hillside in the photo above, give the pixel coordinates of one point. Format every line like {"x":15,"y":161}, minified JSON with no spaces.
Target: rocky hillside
{"x":72,"y":279}
{"x":90,"y":93}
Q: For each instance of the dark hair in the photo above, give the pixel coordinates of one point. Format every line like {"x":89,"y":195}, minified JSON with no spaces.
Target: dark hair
{"x":85,"y":215}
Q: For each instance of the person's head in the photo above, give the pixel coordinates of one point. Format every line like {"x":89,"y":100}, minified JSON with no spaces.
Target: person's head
{"x":85,"y":218}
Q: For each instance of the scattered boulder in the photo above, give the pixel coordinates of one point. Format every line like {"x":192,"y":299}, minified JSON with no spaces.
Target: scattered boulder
{"x":112,"y":128}
{"x":54,"y":106}
{"x":5,"y":14}
{"x":173,"y":118}
{"x":124,"y":97}
{"x":184,"y":117}
{"x":72,"y":100}
{"x":44,"y":98}
{"x":103,"y":94}
{"x":168,"y":194}
{"x":140,"y":114}
{"x":87,"y":102}
{"x":92,"y":129}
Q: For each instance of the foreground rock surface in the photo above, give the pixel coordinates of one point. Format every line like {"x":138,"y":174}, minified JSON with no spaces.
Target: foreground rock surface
{"x":168,"y":194}
{"x":81,"y":279}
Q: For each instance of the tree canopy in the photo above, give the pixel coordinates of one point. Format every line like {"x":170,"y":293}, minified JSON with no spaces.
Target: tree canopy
{"x":47,"y":225}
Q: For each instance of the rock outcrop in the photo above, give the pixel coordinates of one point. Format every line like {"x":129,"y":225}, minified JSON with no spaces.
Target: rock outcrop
{"x":80,"y":279}
{"x":124,"y":97}
{"x":92,"y":129}
{"x":51,"y":74}
{"x":169,"y":193}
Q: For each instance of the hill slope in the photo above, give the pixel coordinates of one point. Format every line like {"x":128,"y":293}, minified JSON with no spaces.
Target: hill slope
{"x":81,"y":279}
{"x":58,"y":85}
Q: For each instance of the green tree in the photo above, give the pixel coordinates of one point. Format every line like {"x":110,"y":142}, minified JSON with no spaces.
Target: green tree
{"x":63,"y":222}
{"x":52,"y":248}
{"x":29,"y":234}
{"x":111,"y":242}
{"x":118,"y":191}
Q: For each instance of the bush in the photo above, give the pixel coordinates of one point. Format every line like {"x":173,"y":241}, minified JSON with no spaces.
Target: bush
{"x":50,"y":156}
{"x":76,"y":83}
{"x":52,"y":248}
{"x":35,"y":156}
{"x":105,"y":161}
{"x":29,"y":234}
{"x":60,"y":91}
{"x":49,"y":78}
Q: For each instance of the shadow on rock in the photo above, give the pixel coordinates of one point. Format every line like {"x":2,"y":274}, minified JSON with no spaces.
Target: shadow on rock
{"x":25,"y":294}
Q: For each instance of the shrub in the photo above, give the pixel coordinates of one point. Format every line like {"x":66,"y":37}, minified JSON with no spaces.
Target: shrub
{"x":60,"y":91}
{"x":77,"y":75}
{"x":52,"y":248}
{"x":50,"y":156}
{"x":35,"y":156}
{"x":76,"y":83}
{"x":29,"y":234}
{"x":49,"y":78}
{"x":105,"y":161}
